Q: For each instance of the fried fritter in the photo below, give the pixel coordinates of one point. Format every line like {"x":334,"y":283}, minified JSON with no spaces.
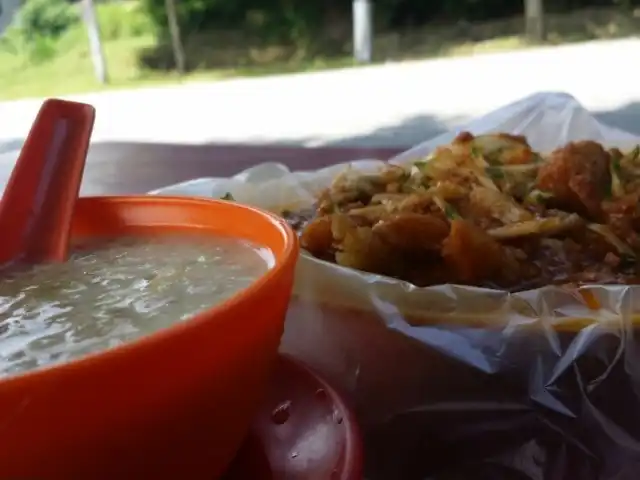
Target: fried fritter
{"x":488,"y":211}
{"x":577,"y":176}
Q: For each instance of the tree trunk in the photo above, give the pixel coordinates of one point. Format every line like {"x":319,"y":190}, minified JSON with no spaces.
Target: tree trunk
{"x":176,"y":39}
{"x":534,"y":20}
{"x":95,"y":43}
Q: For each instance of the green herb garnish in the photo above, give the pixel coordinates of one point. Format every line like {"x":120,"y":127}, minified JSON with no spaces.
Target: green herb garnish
{"x":420,"y":164}
{"x":538,"y":197}
{"x":451,"y":212}
{"x":615,"y":189}
{"x":495,"y":173}
{"x":493,"y":158}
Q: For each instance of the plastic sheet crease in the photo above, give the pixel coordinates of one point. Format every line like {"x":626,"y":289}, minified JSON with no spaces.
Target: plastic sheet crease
{"x":465,"y":383}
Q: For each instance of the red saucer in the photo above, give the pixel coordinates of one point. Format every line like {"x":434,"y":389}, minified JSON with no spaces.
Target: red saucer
{"x":304,"y":431}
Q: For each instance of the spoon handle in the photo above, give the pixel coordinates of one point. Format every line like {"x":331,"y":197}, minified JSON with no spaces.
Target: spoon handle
{"x":38,"y":202}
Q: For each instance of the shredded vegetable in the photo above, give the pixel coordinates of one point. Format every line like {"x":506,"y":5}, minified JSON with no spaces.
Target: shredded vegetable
{"x":487,"y":210}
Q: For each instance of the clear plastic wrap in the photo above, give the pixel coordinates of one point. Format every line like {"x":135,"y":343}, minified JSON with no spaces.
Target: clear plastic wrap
{"x":456,"y":382}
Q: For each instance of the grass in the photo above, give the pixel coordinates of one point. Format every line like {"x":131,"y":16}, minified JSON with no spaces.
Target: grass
{"x":69,"y":69}
{"x":72,"y":70}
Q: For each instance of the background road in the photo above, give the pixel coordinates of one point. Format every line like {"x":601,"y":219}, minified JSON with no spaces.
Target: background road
{"x":386,"y":105}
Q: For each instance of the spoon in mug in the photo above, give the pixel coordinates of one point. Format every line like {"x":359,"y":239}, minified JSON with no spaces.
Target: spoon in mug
{"x":39,"y":199}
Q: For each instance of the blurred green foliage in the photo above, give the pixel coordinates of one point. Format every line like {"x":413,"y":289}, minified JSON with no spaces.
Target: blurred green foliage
{"x":232,"y":35}
{"x":303,"y":24}
{"x":45,"y":18}
{"x":37,"y":27}
{"x":272,"y":20}
{"x":311,"y":28}
{"x":124,"y":19}
{"x":42,"y":28}
{"x":293,"y":20}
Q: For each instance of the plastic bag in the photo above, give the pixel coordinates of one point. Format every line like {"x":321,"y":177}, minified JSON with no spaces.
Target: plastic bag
{"x":455,"y":382}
